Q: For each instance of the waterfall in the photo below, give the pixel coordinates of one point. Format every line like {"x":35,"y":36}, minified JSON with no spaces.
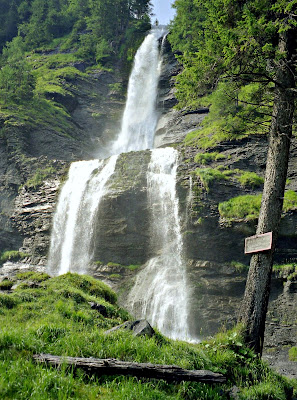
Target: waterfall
{"x":73,"y":224}
{"x":160,"y":291}
{"x":140,"y":117}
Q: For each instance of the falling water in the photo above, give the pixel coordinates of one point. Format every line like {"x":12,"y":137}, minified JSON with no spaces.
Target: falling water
{"x":140,"y":117}
{"x":73,"y":225}
{"x":160,"y":290}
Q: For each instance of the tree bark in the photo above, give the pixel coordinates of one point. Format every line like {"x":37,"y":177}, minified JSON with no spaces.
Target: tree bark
{"x":254,"y":306}
{"x":99,"y":366}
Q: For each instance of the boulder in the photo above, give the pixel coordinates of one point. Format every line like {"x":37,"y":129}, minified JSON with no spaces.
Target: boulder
{"x":139,"y":328}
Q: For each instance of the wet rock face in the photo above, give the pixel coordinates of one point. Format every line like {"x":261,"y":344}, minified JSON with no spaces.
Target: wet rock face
{"x":95,"y":114}
{"x":33,"y":217}
{"x":206,"y":235}
{"x":173,"y":124}
{"x":122,"y":228}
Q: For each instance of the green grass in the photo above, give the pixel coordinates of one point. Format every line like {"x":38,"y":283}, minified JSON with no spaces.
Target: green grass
{"x":6,"y":284}
{"x":287,"y":271}
{"x":239,"y":267}
{"x":12,"y":255}
{"x":210,"y":175}
{"x":241,"y":207}
{"x":250,"y":179}
{"x":248,"y":206}
{"x":293,"y":354}
{"x":290,"y":201}
{"x":56,"y":318}
{"x":207,"y":158}
{"x":39,"y":177}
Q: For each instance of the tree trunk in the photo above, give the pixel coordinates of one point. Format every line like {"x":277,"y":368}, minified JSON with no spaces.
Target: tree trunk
{"x":98,"y":366}
{"x":254,"y":307}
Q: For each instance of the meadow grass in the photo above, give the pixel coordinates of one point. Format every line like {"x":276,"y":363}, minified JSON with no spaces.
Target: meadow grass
{"x":55,"y":317}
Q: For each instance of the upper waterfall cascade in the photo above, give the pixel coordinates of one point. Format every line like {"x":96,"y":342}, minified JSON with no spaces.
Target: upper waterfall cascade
{"x":160,"y":287}
{"x":140,"y":117}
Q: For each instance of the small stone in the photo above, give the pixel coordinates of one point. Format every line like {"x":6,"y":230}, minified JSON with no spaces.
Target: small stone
{"x":139,"y":327}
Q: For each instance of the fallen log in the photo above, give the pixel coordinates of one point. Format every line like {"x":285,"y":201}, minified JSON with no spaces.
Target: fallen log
{"x":111,"y":366}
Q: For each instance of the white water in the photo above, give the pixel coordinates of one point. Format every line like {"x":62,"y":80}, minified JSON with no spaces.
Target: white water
{"x":160,"y":291}
{"x":73,"y":225}
{"x":140,"y":117}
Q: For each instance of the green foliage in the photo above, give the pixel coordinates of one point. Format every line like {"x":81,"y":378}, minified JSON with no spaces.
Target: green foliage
{"x":250,"y":179}
{"x":112,"y":264}
{"x":16,"y":78}
{"x":233,"y":114}
{"x":248,"y":206}
{"x":6,"y":284}
{"x":133,"y":267}
{"x":40,"y":176}
{"x":264,"y":391}
{"x":239,"y":267}
{"x":86,"y":284}
{"x":58,"y":319}
{"x":285,"y":270}
{"x":207,"y":158}
{"x":293,"y":354}
{"x":209,"y":175}
{"x":33,"y":276}
{"x":12,"y":255}
{"x":241,"y":207}
{"x":290,"y":201}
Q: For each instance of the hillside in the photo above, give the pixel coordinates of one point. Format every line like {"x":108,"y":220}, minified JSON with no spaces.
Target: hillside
{"x":40,"y":314}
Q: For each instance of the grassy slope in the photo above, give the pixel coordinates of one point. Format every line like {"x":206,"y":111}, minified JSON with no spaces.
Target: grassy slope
{"x":55,"y":317}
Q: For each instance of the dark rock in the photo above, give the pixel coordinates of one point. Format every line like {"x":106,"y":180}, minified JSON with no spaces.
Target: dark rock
{"x":123,"y":231}
{"x":26,"y":285}
{"x":139,"y":328}
{"x":100,"y":308}
{"x":234,"y":393}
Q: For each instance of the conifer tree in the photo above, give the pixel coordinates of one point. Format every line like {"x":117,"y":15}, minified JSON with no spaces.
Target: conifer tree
{"x":247,"y":41}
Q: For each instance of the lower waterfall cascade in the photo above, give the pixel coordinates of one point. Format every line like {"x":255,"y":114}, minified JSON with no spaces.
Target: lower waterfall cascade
{"x":160,"y":290}
{"x":160,"y":293}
